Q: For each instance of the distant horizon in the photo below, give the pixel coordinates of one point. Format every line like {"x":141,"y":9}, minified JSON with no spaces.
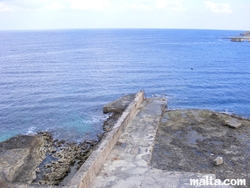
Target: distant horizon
{"x":57,"y":29}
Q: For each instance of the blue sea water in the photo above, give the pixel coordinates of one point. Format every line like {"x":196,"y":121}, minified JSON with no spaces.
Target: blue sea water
{"x":59,"y":80}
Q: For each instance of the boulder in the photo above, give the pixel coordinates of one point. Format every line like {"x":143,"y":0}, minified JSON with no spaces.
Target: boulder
{"x":233,"y":123}
{"x":218,"y":161}
{"x":119,"y":105}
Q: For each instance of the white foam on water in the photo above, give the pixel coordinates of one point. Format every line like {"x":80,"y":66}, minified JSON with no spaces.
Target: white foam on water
{"x":31,"y":130}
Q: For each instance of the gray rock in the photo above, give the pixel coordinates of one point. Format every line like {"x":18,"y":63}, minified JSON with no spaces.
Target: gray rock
{"x":233,"y":123}
{"x":218,"y":161}
{"x":247,"y":33}
{"x":48,"y":165}
{"x":119,"y":105}
{"x":19,"y":157}
{"x":110,"y":122}
{"x":214,"y":115}
{"x":37,"y":170}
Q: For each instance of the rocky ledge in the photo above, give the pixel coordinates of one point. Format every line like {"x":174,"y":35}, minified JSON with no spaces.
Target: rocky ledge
{"x":203,"y":141}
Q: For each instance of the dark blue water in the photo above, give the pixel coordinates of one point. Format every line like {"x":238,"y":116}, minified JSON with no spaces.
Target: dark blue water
{"x":59,"y":80}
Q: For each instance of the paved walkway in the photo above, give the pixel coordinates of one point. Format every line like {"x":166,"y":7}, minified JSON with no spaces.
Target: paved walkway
{"x":128,"y":164}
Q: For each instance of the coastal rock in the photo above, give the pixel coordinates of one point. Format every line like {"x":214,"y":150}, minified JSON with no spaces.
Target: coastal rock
{"x":213,"y":115}
{"x":247,"y":33}
{"x":110,"y":122}
{"x":19,"y":157}
{"x":218,"y":161}
{"x":191,"y":139}
{"x":119,"y":105}
{"x":233,"y":123}
{"x":100,"y":136}
{"x":70,"y":155}
{"x":37,"y":170}
{"x":23,"y":157}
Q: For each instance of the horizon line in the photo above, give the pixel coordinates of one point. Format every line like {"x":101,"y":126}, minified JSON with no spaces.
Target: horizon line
{"x":113,"y":28}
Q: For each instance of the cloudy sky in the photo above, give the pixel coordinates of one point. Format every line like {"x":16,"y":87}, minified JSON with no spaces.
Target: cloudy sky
{"x":67,"y":14}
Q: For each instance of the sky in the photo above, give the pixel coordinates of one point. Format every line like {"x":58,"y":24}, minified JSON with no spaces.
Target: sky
{"x":78,"y":14}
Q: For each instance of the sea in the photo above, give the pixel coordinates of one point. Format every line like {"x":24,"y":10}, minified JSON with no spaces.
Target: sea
{"x":59,"y":80}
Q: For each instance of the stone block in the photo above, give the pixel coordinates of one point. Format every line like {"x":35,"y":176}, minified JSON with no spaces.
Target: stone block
{"x":233,"y":123}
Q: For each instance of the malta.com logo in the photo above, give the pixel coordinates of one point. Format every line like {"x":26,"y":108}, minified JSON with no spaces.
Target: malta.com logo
{"x":210,"y":181}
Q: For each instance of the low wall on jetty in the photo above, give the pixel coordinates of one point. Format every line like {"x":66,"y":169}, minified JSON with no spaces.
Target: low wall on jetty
{"x":85,"y":175}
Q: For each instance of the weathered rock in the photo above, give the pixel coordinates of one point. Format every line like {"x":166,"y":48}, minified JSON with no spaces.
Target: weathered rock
{"x":214,"y":115}
{"x":119,"y":105}
{"x":189,"y":141}
{"x":65,"y":157}
{"x":48,"y":165}
{"x":110,"y":122}
{"x":37,"y":170}
{"x":100,"y":136}
{"x":233,"y":123}
{"x":19,"y":157}
{"x":23,"y":157}
{"x":218,"y":161}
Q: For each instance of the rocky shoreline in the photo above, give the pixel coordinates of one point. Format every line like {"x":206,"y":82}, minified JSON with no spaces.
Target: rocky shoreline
{"x":60,"y":158}
{"x":41,"y":159}
{"x":247,"y":33}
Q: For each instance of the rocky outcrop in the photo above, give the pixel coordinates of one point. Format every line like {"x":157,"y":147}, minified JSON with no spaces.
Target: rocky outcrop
{"x":247,"y":33}
{"x":119,"y":105}
{"x":110,"y":122}
{"x":115,"y":108}
{"x":202,"y":141}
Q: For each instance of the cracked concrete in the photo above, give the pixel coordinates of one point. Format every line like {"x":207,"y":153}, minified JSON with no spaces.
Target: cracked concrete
{"x":128,"y":164}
